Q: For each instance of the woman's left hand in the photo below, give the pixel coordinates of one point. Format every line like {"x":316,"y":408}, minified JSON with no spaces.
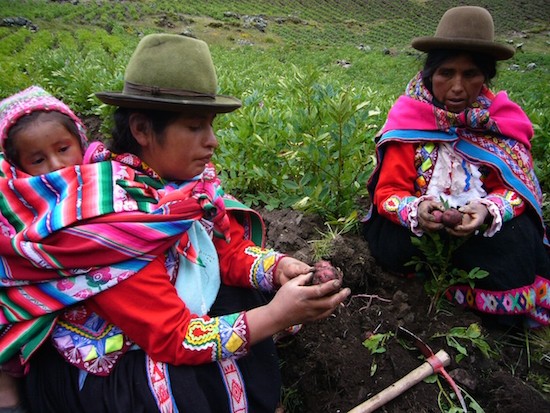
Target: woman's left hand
{"x":474,"y":216}
{"x":289,"y":268}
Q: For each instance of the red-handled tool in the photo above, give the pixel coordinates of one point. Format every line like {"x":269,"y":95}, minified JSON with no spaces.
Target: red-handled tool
{"x":428,"y":353}
{"x":435,"y":363}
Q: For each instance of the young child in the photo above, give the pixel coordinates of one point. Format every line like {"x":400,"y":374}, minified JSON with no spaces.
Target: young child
{"x":38,"y":134}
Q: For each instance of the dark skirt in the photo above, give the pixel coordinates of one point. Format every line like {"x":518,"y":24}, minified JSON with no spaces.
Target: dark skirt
{"x":53,"y":384}
{"x":516,"y":259}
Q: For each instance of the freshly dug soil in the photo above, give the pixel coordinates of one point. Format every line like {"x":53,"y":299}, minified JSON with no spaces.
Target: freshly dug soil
{"x":326,"y":367}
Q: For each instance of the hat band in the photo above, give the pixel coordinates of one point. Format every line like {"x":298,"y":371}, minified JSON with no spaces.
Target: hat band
{"x":159,"y":91}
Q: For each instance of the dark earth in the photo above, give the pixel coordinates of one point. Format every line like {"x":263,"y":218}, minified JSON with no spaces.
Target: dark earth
{"x":326,"y":368}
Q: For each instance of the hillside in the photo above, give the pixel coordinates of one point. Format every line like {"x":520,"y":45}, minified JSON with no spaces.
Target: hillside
{"x":287,"y":60}
{"x":384,"y":23}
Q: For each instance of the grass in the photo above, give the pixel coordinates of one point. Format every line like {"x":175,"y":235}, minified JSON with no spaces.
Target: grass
{"x":307,"y":122}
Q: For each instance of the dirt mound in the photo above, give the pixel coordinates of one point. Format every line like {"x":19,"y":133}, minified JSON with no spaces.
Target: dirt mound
{"x":326,"y":367}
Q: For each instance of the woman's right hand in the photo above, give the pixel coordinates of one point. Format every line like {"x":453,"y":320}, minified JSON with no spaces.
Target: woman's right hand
{"x":426,"y":218}
{"x":298,"y":302}
{"x":295,"y":302}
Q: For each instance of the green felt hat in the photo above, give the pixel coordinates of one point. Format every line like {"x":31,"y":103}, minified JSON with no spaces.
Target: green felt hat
{"x":468,"y":28}
{"x":171,"y":72}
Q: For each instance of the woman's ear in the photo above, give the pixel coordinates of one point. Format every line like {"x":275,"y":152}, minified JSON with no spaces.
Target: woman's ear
{"x":140,"y":126}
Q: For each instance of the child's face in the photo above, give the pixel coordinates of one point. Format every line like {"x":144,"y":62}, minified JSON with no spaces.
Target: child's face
{"x":46,"y":146}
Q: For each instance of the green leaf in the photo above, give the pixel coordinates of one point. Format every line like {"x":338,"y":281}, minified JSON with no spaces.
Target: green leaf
{"x":432,"y":378}
{"x":452,"y":342}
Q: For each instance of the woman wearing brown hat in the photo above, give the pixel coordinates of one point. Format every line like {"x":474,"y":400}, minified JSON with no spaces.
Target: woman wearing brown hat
{"x":450,"y":142}
{"x":191,"y":330}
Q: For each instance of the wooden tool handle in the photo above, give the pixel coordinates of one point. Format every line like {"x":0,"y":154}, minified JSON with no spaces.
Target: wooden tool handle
{"x":389,"y":393}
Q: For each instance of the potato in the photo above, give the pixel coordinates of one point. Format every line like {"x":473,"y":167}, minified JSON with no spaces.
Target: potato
{"x":451,"y":217}
{"x":323,"y":271}
{"x":438,"y":215}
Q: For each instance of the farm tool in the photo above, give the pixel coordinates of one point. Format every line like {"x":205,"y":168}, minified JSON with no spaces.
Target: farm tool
{"x":435,"y":363}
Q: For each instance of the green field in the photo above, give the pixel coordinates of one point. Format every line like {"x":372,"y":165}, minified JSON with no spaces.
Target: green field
{"x":304,"y":137}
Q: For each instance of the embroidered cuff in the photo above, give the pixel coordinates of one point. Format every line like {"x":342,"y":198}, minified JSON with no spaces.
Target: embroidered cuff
{"x":396,"y":208}
{"x":234,"y":335}
{"x":263,"y":267}
{"x":509,"y":203}
{"x":225,"y":336}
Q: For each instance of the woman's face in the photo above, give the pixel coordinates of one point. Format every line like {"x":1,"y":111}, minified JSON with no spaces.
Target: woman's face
{"x":457,"y":83}
{"x":186,"y":146}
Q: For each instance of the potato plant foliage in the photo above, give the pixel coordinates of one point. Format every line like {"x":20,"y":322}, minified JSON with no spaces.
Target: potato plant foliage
{"x":313,"y":100}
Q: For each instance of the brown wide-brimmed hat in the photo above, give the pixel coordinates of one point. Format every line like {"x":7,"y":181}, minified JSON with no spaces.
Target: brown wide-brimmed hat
{"x":468,"y":28}
{"x":171,"y":72}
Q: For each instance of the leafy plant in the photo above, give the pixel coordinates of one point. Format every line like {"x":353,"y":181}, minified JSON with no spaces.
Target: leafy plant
{"x":311,"y":150}
{"x":437,"y":251}
{"x":471,"y":334}
{"x":376,"y":344}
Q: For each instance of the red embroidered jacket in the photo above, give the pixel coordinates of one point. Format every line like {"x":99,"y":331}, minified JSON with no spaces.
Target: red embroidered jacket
{"x":147,"y":308}
{"x":398,"y":175}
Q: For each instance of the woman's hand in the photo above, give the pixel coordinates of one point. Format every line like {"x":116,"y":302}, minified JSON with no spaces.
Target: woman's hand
{"x":295,"y":303}
{"x":474,"y":216}
{"x":426,"y":218}
{"x":289,"y":268}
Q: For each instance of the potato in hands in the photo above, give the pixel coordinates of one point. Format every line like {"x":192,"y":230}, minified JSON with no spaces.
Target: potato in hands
{"x":323,"y":272}
{"x":450,"y":217}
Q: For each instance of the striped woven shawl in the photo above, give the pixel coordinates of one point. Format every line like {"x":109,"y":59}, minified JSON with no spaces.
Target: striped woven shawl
{"x":73,"y":233}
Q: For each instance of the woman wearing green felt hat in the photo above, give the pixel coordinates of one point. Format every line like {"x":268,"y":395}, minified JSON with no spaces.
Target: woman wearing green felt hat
{"x":174,"y":298}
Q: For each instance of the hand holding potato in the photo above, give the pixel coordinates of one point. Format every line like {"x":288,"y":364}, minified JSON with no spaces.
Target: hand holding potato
{"x":474,"y":216}
{"x":296,"y":302}
{"x":428,"y":215}
{"x":323,"y":271}
{"x":289,"y":268}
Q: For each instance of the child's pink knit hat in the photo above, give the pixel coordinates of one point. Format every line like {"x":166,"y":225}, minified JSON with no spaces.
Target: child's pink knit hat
{"x":31,"y":100}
